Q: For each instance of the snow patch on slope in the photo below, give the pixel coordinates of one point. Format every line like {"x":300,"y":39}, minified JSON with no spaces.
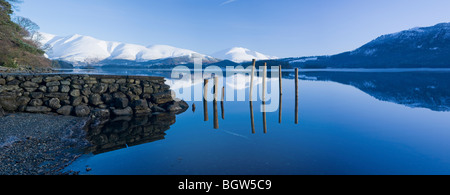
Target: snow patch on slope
{"x":240,"y":54}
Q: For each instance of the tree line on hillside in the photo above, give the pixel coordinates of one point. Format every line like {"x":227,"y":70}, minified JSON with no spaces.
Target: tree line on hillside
{"x":19,"y":39}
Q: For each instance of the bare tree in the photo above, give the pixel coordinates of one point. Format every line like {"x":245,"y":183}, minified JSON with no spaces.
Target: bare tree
{"x":37,"y":39}
{"x":30,"y":31}
{"x":30,"y":28}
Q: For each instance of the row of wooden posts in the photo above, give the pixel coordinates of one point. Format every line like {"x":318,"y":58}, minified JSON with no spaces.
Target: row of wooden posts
{"x":216,"y":90}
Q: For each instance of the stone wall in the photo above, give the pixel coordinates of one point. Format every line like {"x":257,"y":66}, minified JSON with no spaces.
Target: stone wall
{"x":86,"y":95}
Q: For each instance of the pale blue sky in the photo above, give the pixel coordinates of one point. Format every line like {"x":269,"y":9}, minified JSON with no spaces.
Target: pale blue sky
{"x":282,"y":28}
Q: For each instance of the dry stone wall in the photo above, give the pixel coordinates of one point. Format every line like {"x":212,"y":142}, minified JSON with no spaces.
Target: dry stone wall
{"x":86,"y":95}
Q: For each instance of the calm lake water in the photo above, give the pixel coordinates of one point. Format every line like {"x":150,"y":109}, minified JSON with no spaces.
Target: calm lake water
{"x":361,"y":122}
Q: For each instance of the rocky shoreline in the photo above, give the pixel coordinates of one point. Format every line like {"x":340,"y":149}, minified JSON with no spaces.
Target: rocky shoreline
{"x":27,"y":70}
{"x":40,"y":144}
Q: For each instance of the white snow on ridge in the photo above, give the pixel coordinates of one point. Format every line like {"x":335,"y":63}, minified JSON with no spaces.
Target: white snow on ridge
{"x":240,"y":54}
{"x":162,"y":51}
{"x":78,"y":48}
{"x":303,"y":60}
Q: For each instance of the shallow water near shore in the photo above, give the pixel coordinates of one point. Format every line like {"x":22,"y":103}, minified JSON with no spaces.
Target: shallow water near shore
{"x":377,"y":122}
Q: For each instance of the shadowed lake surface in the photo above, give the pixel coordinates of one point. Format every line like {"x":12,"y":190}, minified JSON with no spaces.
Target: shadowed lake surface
{"x":349,"y":122}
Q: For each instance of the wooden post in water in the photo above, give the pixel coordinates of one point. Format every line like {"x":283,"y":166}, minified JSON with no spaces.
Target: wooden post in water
{"x":205,"y":89}
{"x":264,"y":83}
{"x":264,"y":98}
{"x":281,"y":94}
{"x":216,"y":88}
{"x":296,"y":96}
{"x":280,"y":80}
{"x":205,"y":100}
{"x":216,"y":97}
{"x":251,"y":79}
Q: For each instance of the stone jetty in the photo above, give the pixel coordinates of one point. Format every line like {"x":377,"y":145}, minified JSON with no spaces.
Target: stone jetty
{"x":86,"y":95}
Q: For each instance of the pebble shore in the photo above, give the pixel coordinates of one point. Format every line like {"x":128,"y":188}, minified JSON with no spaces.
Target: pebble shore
{"x":40,"y":144}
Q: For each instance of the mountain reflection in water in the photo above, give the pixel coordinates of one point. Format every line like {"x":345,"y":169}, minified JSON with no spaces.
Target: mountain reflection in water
{"x":416,"y":89}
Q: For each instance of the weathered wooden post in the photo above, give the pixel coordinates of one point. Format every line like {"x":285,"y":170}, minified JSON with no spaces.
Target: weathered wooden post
{"x":216,"y":88}
{"x":264,"y":98}
{"x":281,"y":94}
{"x":296,"y":96}
{"x":205,"y":89}
{"x":280,"y":79}
{"x":205,"y":100}
{"x":251,"y":79}
{"x":264,"y":82}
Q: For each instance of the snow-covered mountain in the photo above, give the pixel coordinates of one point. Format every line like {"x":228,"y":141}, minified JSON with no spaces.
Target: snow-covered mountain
{"x":420,"y":38}
{"x":240,"y":54}
{"x":82,"y":50}
{"x":414,"y":48}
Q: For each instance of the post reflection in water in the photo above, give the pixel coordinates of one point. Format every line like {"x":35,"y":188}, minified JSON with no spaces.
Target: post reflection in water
{"x":222,"y":106}
{"x":216,"y":115}
{"x":296,"y":95}
{"x":252,"y":117}
{"x":216,"y":95}
{"x":280,"y":109}
{"x":264,"y":117}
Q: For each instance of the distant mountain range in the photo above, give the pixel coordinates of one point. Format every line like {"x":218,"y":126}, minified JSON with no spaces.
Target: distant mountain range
{"x":424,"y":47}
{"x":85,"y":50}
{"x":82,"y":50}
